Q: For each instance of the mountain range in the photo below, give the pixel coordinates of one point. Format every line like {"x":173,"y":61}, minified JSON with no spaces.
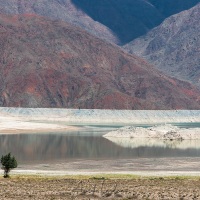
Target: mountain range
{"x":60,"y":10}
{"x":117,"y":21}
{"x":46,"y":63}
{"x":129,"y":19}
{"x":174,"y":46}
{"x":63,"y":53}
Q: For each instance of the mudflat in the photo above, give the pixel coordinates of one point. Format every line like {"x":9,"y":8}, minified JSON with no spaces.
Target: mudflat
{"x":99,"y":187}
{"x":185,"y":166}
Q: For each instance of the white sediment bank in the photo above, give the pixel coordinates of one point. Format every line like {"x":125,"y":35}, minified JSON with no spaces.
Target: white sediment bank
{"x":17,"y":125}
{"x":161,"y":132}
{"x":164,"y":132}
{"x":21,"y":127}
{"x":103,"y":116}
{"x":47,"y":119}
{"x":164,"y":136}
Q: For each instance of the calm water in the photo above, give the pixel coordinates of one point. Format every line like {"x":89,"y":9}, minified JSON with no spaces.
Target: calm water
{"x":89,"y":144}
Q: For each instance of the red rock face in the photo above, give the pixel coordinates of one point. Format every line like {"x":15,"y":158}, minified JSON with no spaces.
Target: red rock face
{"x":47,"y":63}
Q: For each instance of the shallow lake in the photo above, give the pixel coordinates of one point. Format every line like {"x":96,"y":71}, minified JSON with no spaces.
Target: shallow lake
{"x":89,"y":144}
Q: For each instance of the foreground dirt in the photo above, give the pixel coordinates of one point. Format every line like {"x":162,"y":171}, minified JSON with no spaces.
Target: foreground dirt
{"x":99,"y":188}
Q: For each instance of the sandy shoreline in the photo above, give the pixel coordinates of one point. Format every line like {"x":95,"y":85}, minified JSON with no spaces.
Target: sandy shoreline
{"x":17,"y":125}
{"x":178,"y":166}
{"x":135,"y":173}
{"x":36,"y":131}
{"x":29,"y":120}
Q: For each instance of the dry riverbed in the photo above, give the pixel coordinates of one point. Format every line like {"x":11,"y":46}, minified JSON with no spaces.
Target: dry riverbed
{"x":99,"y":187}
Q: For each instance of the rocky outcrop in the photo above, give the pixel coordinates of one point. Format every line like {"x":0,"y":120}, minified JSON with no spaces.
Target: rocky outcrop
{"x":48,"y":63}
{"x":173,"y":47}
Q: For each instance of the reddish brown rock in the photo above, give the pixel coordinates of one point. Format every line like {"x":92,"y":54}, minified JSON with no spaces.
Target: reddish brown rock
{"x":46,"y":63}
{"x":63,"y":10}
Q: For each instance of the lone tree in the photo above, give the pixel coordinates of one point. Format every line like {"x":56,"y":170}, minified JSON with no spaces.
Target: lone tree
{"x":8,"y":163}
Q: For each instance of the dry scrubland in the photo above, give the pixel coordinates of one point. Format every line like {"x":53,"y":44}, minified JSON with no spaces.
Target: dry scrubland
{"x":124,"y":187}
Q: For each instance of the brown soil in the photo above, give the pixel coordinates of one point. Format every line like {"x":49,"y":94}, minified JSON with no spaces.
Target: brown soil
{"x":97,"y":188}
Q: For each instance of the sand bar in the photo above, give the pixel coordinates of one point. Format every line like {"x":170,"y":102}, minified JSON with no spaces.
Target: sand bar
{"x":16,"y":124}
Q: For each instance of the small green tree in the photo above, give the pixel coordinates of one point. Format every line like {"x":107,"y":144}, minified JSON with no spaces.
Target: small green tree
{"x":8,"y":163}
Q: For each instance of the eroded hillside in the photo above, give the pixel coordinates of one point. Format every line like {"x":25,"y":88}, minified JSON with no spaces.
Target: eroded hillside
{"x":48,"y":63}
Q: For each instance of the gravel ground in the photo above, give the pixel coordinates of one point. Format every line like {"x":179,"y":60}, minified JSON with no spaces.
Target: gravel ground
{"x":99,"y":188}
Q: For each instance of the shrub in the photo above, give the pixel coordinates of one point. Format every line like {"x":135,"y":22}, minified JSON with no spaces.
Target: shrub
{"x":8,"y":163}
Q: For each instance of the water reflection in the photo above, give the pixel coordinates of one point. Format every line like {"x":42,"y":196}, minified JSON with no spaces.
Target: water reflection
{"x":37,"y":148}
{"x":146,"y":142}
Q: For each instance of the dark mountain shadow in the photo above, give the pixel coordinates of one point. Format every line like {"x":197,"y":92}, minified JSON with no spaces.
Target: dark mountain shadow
{"x":129,"y":19}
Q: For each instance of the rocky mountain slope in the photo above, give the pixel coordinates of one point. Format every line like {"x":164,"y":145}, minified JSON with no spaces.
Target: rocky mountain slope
{"x":113,"y":20}
{"x":48,"y":63}
{"x":174,"y":46}
{"x":58,"y":9}
{"x":130,"y":19}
